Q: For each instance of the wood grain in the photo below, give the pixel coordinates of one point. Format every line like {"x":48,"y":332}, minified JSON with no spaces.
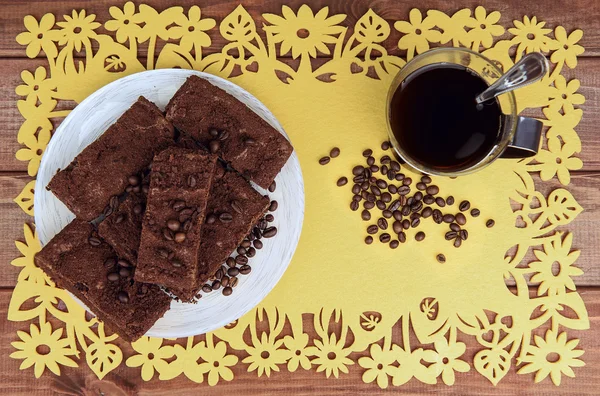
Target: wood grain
{"x":584,"y":14}
{"x":127,"y":381}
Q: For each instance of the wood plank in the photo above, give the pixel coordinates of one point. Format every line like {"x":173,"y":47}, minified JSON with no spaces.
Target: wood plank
{"x":585,"y":188}
{"x":588,"y":72}
{"x":584,"y":14}
{"x":127,"y":381}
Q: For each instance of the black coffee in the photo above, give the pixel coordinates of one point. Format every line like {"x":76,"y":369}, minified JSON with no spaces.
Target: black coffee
{"x":436,"y":121}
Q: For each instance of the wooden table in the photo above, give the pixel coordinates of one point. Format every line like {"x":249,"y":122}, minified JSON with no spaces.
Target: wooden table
{"x":585,"y":184}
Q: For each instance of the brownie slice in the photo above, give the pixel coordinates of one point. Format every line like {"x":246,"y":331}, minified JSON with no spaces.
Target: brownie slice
{"x":123,"y":227}
{"x":179,"y":185}
{"x":231,"y":194}
{"x":82,"y":263}
{"x":230,"y":129}
{"x":102,"y":169}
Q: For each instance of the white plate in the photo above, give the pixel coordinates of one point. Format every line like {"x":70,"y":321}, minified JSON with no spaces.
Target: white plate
{"x":95,"y":114}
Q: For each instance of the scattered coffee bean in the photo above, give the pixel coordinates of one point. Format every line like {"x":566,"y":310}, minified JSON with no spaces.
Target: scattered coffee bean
{"x":385,"y":159}
{"x":382,"y":223}
{"x":384,"y":170}
{"x":245,"y":243}
{"x":334,"y":153}
{"x":421,"y":186}
{"x":404,"y":190}
{"x":358,"y":170}
{"x":454,"y":227}
{"x":428,"y":199}
{"x":134,"y":180}
{"x":233,"y":282}
{"x":372,"y":229}
{"x":270,"y":232}
{"x":216,"y":285}
{"x":355,"y":188}
{"x":245,"y":269}
{"x":206,"y":288}
{"x":366,"y":215}
{"x":387,"y":213}
{"x":461,"y":219}
{"x":402,"y":236}
{"x":457,"y":242}
{"x":395,"y":166}
{"x":394,"y":244}
{"x":367,"y":153}
{"x":241,"y":250}
{"x":440,"y":202}
{"x":124,"y":263}
{"x":427,"y":212}
{"x":214,"y":146}
{"x":385,"y":145}
{"x":407,"y":181}
{"x":419,"y":236}
{"x":464,"y":205}
{"x":235,"y":205}
{"x":258,"y":244}
{"x":213,"y":132}
{"x":432,"y":190}
{"x":450,"y":200}
{"x":178,"y":205}
{"x":448,"y":218}
{"x":437,"y":216}
{"x":450,"y":235}
{"x":230,"y":262}
{"x":324,"y":160}
{"x":369,"y":240}
{"x":415,"y":223}
{"x":406,"y":224}
{"x":179,"y":237}
{"x":374,"y":168}
{"x":225,"y":281}
{"x":392,"y":189}
{"x":397,"y":214}
{"x":441,"y":258}
{"x":191,"y":181}
{"x":137,"y":209}
{"x":386,"y":197}
{"x":225,"y":217}
{"x":490,"y":223}
{"x":354,"y":206}
{"x":173,"y":224}
{"x":368,"y":205}
{"x":385,"y":237}
{"x":380,"y":205}
{"x":342,"y":181}
{"x":94,"y":241}
{"x":211,"y":218}
{"x":418,"y":196}
{"x":464,"y":234}
{"x":119,"y":218}
{"x":273,"y":206}
{"x":399,"y":177}
{"x":123,"y":297}
{"x":124,"y":272}
{"x":426,"y":179}
{"x":397,"y":226}
{"x":113,"y":276}
{"x":371,"y":161}
{"x":375,"y":190}
{"x":241,"y":260}
{"x":251,"y":252}
{"x":394,"y":205}
{"x":475,"y":212}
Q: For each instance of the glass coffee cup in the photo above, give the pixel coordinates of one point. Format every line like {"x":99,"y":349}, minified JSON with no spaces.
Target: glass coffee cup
{"x":435,"y":124}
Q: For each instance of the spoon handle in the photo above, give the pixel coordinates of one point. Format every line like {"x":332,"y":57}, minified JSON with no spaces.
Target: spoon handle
{"x":531,"y":68}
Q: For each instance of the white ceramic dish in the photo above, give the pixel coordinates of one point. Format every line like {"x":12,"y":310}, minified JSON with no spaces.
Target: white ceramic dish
{"x":95,"y":114}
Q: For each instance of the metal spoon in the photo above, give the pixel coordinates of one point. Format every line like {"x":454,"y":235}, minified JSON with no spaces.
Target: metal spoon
{"x":531,"y":68}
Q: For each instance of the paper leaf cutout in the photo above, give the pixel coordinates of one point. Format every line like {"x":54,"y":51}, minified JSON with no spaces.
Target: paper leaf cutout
{"x":319,"y":100}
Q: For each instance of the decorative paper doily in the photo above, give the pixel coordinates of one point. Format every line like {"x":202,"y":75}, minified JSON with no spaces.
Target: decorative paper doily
{"x":365,"y":291}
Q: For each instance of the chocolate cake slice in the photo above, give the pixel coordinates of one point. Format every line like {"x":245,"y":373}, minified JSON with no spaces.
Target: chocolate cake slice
{"x":230,"y":129}
{"x":179,"y":185}
{"x":102,"y":169}
{"x":78,"y":260}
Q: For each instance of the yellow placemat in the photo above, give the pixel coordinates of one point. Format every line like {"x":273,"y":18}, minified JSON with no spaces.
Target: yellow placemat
{"x":366,"y":290}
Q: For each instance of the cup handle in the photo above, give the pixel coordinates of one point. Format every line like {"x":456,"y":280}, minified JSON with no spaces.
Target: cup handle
{"x":526,"y":141}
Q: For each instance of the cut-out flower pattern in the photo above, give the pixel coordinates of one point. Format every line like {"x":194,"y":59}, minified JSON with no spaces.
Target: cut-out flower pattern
{"x":39,"y":36}
{"x":418,"y":33}
{"x":568,"y":48}
{"x":77,"y":30}
{"x":484,"y":28}
{"x":151,"y":356}
{"x":531,"y":35}
{"x":126,"y":22}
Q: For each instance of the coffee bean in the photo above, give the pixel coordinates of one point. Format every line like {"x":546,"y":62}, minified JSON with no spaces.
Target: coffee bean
{"x":137,"y":209}
{"x":225,"y":217}
{"x":437,"y":216}
{"x":134,"y":180}
{"x":257,"y":233}
{"x":178,"y":205}
{"x":270,"y":232}
{"x":245,"y":269}
{"x":367,"y":153}
{"x":402,"y":236}
{"x":464,"y":205}
{"x":385,"y":145}
{"x":397,"y":215}
{"x":173,"y":224}
{"x":235,"y":205}
{"x":421,"y":186}
{"x":406,"y":224}
{"x":382,"y":184}
{"x":216,"y":285}
{"x":365,"y":186}
{"x":176,"y":263}
{"x":110,"y":262}
{"x":94,"y":241}
{"x":258,"y":244}
{"x":454,"y":227}
{"x":191,"y":181}
{"x":464,"y":234}
{"x":250,"y":141}
{"x":355,"y":188}
{"x":490,"y":223}
{"x":440,"y":202}
{"x":399,"y":176}
{"x":206,"y":288}
{"x":273,"y":206}
{"x":211,"y":218}
{"x":405,"y":210}
{"x":334,"y":153}
{"x":386,"y":197}
{"x":225,"y":281}
{"x":214,"y":146}
{"x":168,"y":234}
{"x":448,"y":218}
{"x":384,"y":238}
{"x":450,"y":235}
{"x":426,"y":179}
{"x":394,"y":244}
{"x":123,"y":297}
{"x":124,"y":272}
{"x":450,"y":200}
{"x":416,"y":206}
{"x":185,"y":214}
{"x":369,"y":240}
{"x":358,"y":179}
{"x":375,"y":190}
{"x":233,"y":282}
{"x":404,"y":190}
{"x":441,"y":258}
{"x":475,"y":212}
{"x":124,"y":263}
{"x":365,"y":215}
{"x":372,"y":229}
{"x":384,"y":170}
{"x":382,"y":223}
{"x":368,"y":205}
{"x":407,"y":181}
{"x":230,"y":262}
{"x":371,"y":162}
{"x":241,"y":260}
{"x":461,"y":219}
{"x":324,"y":160}
{"x":119,"y":218}
{"x":179,"y":237}
{"x":246,"y":244}
{"x":394,"y":205}
{"x":374,"y":168}
{"x":251,"y":252}
{"x":392,"y":189}
{"x":410,"y":201}
{"x":395,"y":166}
{"x":365,"y":195}
{"x":432,"y":190}
{"x":385,"y":159}
{"x":427,"y":212}
{"x":428,"y":199}
{"x":420,"y":236}
{"x":387,"y":213}
{"x":113,"y":276}
{"x":262,"y":224}
{"x":241,"y":250}
{"x":371,"y":197}
{"x":227,"y":291}
{"x":418,"y":196}
{"x":380,"y":204}
{"x":213,"y":132}
{"x":457,"y":242}
{"x":415,"y":223}
{"x":358,"y":170}
{"x":397,"y":227}
{"x":415,"y":215}
{"x":342,"y":181}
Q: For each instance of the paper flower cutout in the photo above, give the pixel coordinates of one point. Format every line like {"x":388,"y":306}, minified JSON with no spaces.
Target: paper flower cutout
{"x":567,"y":50}
{"x":151,"y":356}
{"x":531,"y":35}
